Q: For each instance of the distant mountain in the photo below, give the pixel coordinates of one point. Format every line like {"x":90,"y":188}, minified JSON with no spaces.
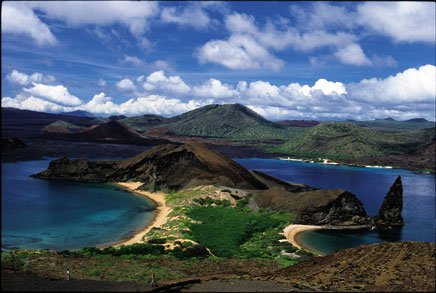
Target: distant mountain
{"x":78,"y":113}
{"x":25,"y":123}
{"x":386,"y":119}
{"x":62,"y":126}
{"x":389,"y":124}
{"x":298,"y":123}
{"x":342,"y":140}
{"x":417,"y":120}
{"x":141,"y":123}
{"x":110,"y":131}
{"x":233,"y":121}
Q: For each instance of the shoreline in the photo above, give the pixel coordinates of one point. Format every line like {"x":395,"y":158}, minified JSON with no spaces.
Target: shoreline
{"x":159,"y":219}
{"x":291,"y":231}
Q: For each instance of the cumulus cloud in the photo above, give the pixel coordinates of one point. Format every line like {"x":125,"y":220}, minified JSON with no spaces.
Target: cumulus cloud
{"x":21,"y":78}
{"x":407,"y":94}
{"x":401,"y":21}
{"x":353,"y":54}
{"x":53,"y":93}
{"x":126,"y":85}
{"x":133,"y":14}
{"x":192,"y":15}
{"x":214,"y":88}
{"x":151,"y":104}
{"x":158,"y":82}
{"x":20,"y":17}
{"x":239,"y":52}
{"x":410,"y":86}
{"x":21,"y":20}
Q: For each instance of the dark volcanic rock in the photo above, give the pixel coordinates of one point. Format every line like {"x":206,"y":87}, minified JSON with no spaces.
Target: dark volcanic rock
{"x":316,"y":207}
{"x":12,"y":143}
{"x":389,"y":215}
{"x":167,"y":166}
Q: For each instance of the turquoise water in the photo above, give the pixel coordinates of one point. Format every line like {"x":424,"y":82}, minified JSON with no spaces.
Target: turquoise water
{"x":370,"y":186}
{"x":41,"y":214}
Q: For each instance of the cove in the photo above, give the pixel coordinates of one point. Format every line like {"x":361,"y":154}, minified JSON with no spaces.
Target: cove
{"x":41,"y":214}
{"x":370,"y":186}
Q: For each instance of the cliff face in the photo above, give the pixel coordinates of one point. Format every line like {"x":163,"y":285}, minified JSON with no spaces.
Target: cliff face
{"x":316,"y":207}
{"x":389,"y":215}
{"x":167,"y":166}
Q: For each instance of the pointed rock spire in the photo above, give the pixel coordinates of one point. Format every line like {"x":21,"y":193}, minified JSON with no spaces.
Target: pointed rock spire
{"x":390,"y":210}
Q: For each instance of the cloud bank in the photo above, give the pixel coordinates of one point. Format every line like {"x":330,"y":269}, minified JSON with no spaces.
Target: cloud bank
{"x":407,"y":94}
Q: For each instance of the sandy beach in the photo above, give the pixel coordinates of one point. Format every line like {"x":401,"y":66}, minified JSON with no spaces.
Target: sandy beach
{"x":162,"y":211}
{"x":291,"y":232}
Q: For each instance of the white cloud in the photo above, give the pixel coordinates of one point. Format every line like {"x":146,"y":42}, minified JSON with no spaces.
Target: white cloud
{"x":126,"y":85}
{"x":133,"y":14}
{"x":410,"y":86}
{"x":158,"y":82}
{"x":353,"y":55}
{"x":410,"y":93}
{"x":34,"y":104}
{"x":401,"y":21}
{"x":18,"y":19}
{"x":239,"y":52}
{"x":132,"y":60}
{"x":213,"y":88}
{"x":102,"y":82}
{"x":329,"y":87}
{"x":53,"y":93}
{"x":20,"y":78}
{"x":191,"y":15}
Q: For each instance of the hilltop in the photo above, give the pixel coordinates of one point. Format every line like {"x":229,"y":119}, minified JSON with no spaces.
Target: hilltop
{"x":78,"y":113}
{"x":62,"y":126}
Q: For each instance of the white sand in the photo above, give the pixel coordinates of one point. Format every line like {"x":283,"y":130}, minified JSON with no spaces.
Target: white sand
{"x":291,"y":232}
{"x":162,"y":211}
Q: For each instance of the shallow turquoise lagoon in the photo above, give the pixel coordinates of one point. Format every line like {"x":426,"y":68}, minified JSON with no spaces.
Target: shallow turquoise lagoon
{"x":41,"y":214}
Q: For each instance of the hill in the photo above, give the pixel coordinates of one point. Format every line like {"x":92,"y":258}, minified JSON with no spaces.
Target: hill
{"x":389,"y":124}
{"x":78,"y":113}
{"x":111,"y":131}
{"x":141,"y":123}
{"x":298,"y":123}
{"x":342,"y":140}
{"x":391,"y":267}
{"x":25,"y":123}
{"x":62,"y":126}
{"x":232,"y":121}
{"x":166,"y":166}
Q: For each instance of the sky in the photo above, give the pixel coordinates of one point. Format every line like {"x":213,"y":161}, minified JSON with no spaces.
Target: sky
{"x":284,"y":60}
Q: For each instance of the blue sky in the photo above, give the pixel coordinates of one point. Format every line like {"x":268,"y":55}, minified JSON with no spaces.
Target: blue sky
{"x":285,"y":60}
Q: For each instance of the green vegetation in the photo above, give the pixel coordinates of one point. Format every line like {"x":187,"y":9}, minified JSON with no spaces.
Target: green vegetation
{"x":392,"y":125}
{"x":67,"y":125}
{"x":338,"y":140}
{"x":231,"y":121}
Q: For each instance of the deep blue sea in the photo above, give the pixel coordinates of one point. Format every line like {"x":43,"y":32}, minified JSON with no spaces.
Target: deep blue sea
{"x":370,"y":185}
{"x":39,"y":214}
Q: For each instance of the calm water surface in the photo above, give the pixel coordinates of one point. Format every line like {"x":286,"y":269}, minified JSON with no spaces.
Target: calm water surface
{"x":38,"y":214}
{"x":370,"y":185}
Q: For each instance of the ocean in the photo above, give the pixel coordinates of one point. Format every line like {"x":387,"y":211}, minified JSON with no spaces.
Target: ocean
{"x":370,"y":185}
{"x":59,"y":215}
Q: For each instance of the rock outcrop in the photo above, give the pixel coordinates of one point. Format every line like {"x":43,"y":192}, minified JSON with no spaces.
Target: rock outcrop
{"x":163,"y":167}
{"x":316,"y":207}
{"x":389,"y":215}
